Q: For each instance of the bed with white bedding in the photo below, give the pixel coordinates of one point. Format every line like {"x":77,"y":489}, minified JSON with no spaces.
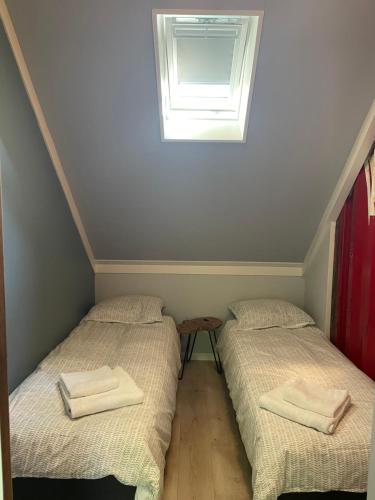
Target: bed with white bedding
{"x":287,"y":457}
{"x":128,"y":443}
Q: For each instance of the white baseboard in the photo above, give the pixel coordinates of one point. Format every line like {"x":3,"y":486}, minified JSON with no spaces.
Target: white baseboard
{"x":202,"y":356}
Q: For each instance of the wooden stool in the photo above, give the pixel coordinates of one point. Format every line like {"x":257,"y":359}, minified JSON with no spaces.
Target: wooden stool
{"x":193,"y":326}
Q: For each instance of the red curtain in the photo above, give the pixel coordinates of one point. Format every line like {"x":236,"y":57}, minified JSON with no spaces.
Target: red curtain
{"x":353,"y":323}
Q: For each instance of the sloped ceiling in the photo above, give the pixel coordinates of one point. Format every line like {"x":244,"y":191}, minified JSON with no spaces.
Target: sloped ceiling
{"x":92,"y":63}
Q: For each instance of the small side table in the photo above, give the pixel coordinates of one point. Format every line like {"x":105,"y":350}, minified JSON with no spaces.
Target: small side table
{"x":192,"y":327}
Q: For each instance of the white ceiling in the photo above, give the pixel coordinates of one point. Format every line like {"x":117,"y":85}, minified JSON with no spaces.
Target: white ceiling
{"x":92,"y":63}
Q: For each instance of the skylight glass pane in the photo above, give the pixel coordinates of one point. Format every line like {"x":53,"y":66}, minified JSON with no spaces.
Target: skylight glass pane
{"x":198,"y":61}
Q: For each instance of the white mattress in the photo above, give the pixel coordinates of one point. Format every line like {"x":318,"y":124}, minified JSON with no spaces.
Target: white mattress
{"x":129,"y":443}
{"x":285,"y":456}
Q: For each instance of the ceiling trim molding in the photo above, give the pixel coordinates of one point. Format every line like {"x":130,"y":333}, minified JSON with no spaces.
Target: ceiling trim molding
{"x":353,"y":165}
{"x":43,"y":126}
{"x":331,"y":258}
{"x":215,"y":268}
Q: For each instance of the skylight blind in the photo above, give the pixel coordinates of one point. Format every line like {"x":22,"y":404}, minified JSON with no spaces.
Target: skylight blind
{"x":208,"y":68}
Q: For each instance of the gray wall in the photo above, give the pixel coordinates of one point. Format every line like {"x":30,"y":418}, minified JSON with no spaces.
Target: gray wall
{"x":48,"y":279}
{"x":316,"y":283}
{"x":92,"y":63}
{"x":187,"y":296}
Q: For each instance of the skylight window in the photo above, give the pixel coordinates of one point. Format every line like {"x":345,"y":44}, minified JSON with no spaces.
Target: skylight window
{"x":205,"y":68}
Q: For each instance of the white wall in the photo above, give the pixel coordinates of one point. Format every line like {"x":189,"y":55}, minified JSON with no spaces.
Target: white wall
{"x":318,"y":290}
{"x":1,"y":476}
{"x":371,"y":471}
{"x":188,"y":296}
{"x":318,"y":280}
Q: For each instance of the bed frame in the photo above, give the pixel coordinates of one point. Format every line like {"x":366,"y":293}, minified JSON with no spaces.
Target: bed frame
{"x":330,"y":495}
{"x":107,"y":488}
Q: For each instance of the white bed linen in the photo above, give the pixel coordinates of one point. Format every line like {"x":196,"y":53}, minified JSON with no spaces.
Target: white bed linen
{"x":285,"y":456}
{"x":129,"y":443}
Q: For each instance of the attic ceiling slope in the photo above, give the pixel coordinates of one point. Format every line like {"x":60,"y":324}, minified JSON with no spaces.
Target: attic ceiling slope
{"x":353,"y":165}
{"x":25,"y":75}
{"x":92,"y":64}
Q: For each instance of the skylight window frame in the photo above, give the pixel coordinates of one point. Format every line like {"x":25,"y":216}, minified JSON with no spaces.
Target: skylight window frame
{"x":217,"y":105}
{"x":225,"y":129}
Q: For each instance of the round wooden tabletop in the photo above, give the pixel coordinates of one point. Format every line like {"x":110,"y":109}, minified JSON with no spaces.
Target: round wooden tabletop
{"x":206,"y":323}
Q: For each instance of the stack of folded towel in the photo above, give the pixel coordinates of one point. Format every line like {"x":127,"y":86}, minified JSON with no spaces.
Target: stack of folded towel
{"x":85,"y":393}
{"x":307,"y":404}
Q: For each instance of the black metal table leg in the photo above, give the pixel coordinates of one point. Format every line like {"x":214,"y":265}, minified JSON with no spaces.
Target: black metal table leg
{"x":186,"y":356}
{"x":192,"y":347}
{"x":217,"y":360}
{"x":218,"y":355}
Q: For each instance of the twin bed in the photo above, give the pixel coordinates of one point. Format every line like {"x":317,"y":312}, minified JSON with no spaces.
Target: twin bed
{"x":285,"y":456}
{"x":127,"y":446}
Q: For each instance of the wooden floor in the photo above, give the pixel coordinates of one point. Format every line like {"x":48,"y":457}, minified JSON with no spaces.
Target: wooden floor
{"x":206,"y":459}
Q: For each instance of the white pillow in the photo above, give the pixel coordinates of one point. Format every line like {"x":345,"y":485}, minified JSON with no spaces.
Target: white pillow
{"x":268,"y":313}
{"x":127,"y":309}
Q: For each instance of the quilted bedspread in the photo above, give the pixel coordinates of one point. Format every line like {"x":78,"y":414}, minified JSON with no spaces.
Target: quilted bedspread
{"x":129,"y":443}
{"x":285,"y":456}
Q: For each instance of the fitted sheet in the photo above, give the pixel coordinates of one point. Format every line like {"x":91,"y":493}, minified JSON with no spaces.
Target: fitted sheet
{"x":129,"y":443}
{"x":285,"y":456}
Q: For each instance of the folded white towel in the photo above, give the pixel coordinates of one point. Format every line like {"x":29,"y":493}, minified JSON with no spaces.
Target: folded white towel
{"x":274,"y":402}
{"x":128,"y":393}
{"x":311,"y":397}
{"x":80,"y":384}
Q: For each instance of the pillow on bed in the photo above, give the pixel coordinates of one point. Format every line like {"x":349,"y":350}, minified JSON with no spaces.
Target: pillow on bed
{"x":128,"y":309}
{"x":268,"y":313}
